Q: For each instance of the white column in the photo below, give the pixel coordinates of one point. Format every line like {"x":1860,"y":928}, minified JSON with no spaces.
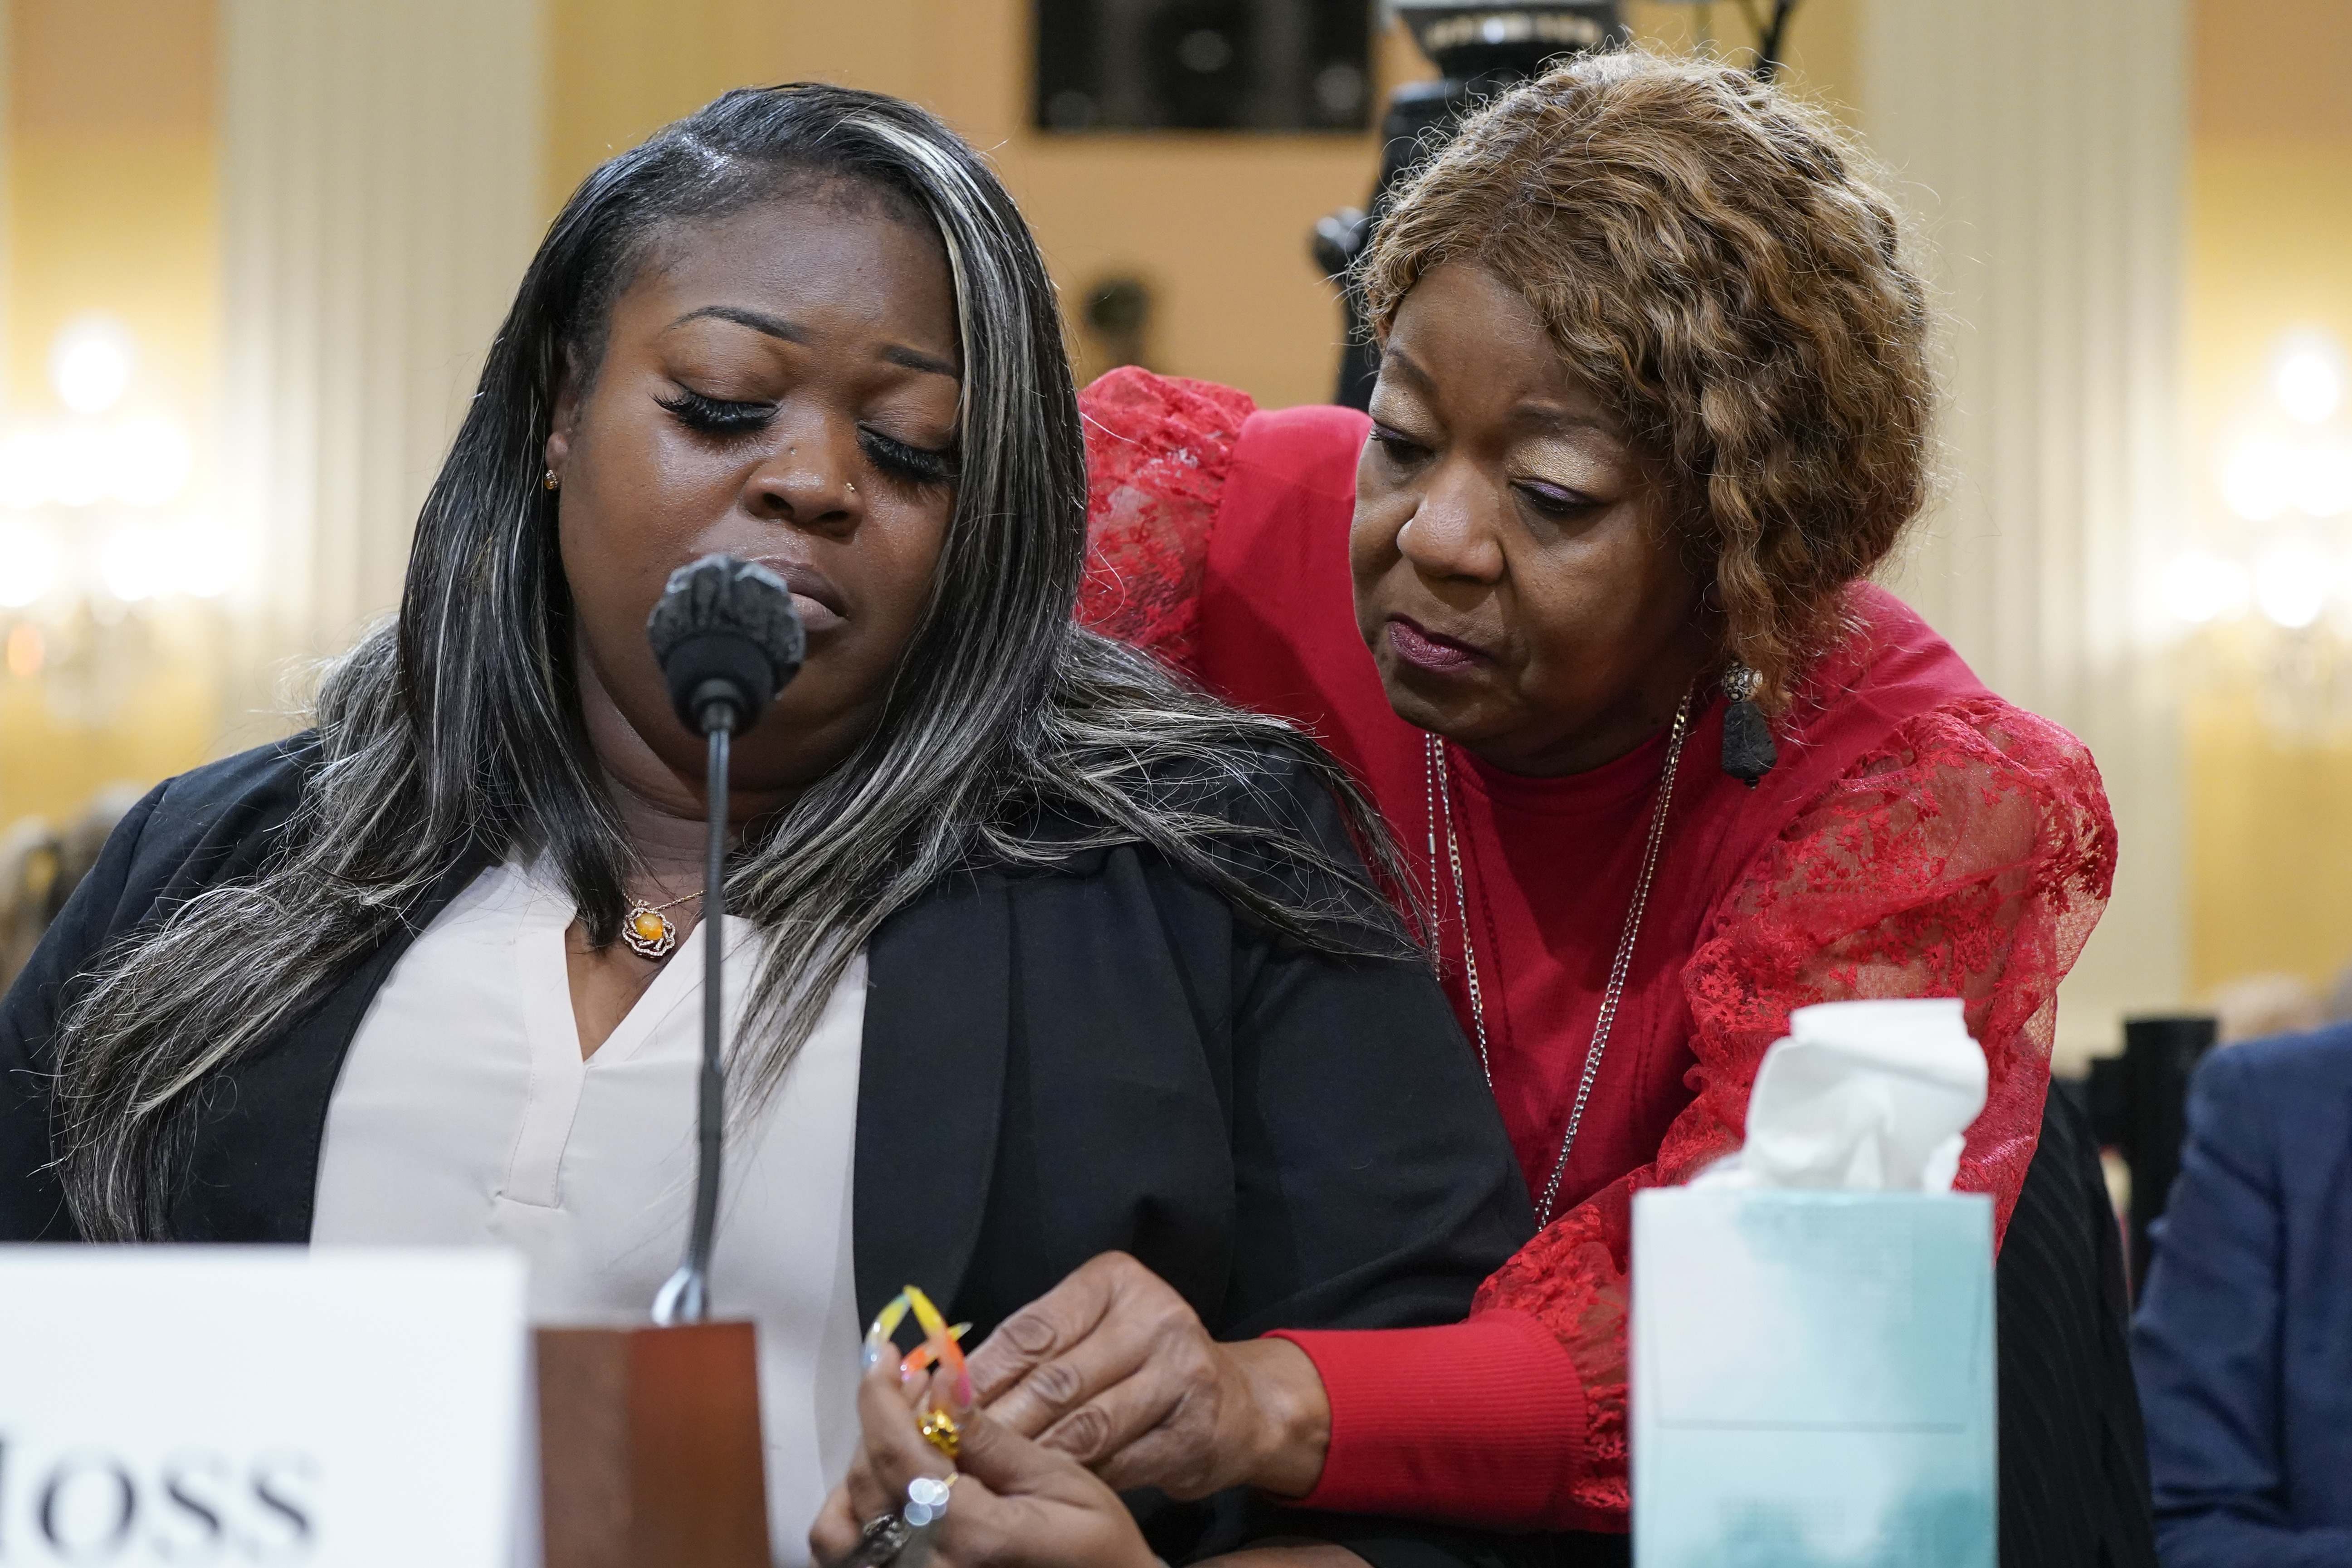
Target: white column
{"x":2045,"y":144}
{"x":380,"y":197}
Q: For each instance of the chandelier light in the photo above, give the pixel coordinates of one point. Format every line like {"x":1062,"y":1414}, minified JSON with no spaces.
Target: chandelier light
{"x":2271,"y":589}
{"x":90,"y":364}
{"x":91,"y":499}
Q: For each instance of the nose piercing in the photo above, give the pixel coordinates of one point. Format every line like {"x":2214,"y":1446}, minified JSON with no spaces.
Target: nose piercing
{"x":853,"y":487}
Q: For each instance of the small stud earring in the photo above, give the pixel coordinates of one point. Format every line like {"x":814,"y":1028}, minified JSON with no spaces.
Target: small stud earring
{"x":551,"y":481}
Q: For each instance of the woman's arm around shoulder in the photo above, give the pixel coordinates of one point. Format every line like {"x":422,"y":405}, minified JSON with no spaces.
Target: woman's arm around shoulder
{"x":1368,"y":1183}
{"x":1969,"y":855}
{"x":1158,"y":451}
{"x":1375,"y":1185}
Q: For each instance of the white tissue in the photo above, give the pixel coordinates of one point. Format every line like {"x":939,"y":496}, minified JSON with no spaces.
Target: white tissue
{"x":1871,"y":1096}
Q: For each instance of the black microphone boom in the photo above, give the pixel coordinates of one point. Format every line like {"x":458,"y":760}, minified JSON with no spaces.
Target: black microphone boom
{"x":727,"y":639}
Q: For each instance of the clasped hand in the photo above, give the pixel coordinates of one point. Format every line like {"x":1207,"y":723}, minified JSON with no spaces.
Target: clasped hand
{"x":1113,"y":1368}
{"x":1107,"y":1381}
{"x":1012,"y":1502}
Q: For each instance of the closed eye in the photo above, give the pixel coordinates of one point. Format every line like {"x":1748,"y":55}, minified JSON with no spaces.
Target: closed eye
{"x":1397,"y":446}
{"x":916,"y":464}
{"x":1554,"y":500}
{"x":716,"y":415}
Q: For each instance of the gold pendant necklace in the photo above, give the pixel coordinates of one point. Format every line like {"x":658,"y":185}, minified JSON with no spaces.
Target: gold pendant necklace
{"x":1440,"y":801}
{"x":647,"y":931}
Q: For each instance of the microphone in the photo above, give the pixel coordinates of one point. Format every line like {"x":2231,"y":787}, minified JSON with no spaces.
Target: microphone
{"x":728,"y":640}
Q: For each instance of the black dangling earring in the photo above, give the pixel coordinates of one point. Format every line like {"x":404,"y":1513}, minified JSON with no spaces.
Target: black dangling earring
{"x":1748,"y":750}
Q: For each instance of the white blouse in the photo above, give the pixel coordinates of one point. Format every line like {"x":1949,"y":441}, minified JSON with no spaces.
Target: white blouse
{"x":465,"y":1115}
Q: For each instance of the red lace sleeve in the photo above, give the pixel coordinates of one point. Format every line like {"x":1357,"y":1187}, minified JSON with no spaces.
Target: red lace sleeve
{"x":1969,"y":855}
{"x":1158,"y":451}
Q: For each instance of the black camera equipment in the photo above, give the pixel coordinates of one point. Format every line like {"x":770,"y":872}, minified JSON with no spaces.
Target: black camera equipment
{"x":1480,"y":51}
{"x":1203,"y":65}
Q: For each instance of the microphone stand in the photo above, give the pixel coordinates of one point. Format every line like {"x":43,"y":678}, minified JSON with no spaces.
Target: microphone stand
{"x":649,"y":1437}
{"x":685,"y":1299}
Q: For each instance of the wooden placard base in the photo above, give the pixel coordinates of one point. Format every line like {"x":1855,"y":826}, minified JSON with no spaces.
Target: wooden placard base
{"x":649,"y":1447}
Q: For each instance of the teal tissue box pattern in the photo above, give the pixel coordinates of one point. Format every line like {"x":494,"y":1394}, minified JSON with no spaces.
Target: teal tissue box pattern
{"x":1812,"y":1380}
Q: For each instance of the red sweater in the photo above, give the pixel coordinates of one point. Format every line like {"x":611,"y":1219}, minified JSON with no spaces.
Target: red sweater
{"x":1919,"y":837}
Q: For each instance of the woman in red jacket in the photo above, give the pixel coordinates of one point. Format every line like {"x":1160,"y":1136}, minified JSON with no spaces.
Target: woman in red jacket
{"x":1582,"y":604}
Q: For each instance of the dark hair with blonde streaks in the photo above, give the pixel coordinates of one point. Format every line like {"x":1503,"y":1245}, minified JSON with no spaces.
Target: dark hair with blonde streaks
{"x":1711,"y":260}
{"x":1009,"y":736}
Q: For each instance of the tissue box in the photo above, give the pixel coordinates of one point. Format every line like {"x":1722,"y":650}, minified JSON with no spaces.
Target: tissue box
{"x":1812,"y":1380}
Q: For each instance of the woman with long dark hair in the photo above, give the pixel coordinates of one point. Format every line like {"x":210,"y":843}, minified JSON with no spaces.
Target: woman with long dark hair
{"x":1050,"y":955}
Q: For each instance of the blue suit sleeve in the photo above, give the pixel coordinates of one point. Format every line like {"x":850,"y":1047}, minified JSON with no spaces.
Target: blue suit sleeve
{"x":2206,"y":1343}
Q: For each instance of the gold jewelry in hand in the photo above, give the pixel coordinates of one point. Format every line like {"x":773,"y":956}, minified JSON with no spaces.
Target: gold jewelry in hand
{"x":939,"y":1430}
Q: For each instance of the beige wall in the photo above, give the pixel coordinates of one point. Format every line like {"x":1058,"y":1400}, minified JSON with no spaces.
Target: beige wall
{"x":2269,"y":250}
{"x":111,"y":197}
{"x":112,"y":204}
{"x":1217,"y":224}
{"x":111,"y":163}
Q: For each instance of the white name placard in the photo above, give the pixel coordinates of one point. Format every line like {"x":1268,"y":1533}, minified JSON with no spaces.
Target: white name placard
{"x":229,"y":1406}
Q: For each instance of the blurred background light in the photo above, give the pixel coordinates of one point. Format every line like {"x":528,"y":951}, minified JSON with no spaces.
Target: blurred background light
{"x":28,"y":650}
{"x":2322,"y":478}
{"x":82,"y":469}
{"x":28,"y":463}
{"x":2200,"y":586}
{"x":2258,"y":481}
{"x":2291,"y":584}
{"x":2308,"y":386}
{"x":136,"y":562}
{"x":150,"y":460}
{"x":207,"y":560}
{"x":29,"y":563}
{"x":90,"y":363}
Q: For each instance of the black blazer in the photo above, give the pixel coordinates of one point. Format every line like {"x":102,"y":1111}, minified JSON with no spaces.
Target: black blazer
{"x":1119,"y":1062}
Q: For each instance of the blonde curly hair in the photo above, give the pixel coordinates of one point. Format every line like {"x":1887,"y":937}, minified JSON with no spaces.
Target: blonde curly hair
{"x":1713,"y":259}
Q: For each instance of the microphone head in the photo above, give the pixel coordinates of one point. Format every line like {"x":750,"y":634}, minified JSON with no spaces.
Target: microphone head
{"x":728,"y":640}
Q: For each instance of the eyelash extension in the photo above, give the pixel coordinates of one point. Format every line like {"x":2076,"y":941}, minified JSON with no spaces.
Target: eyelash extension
{"x":714,"y":415}
{"x":720,"y":416}
{"x":920,"y":464}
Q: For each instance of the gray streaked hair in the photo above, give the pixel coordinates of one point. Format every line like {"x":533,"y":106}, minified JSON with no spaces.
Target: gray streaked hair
{"x":455,"y":737}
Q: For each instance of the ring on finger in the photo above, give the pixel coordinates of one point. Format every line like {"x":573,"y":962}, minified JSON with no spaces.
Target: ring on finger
{"x":885,"y":1536}
{"x":888,"y":1536}
{"x":939,"y":1430}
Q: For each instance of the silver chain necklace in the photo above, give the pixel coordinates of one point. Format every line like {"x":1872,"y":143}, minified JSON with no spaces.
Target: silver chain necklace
{"x":1440,"y":809}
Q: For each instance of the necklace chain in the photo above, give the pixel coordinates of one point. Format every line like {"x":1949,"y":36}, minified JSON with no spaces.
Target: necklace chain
{"x":640,"y":906}
{"x":1441,"y":800}
{"x":1441,"y":790}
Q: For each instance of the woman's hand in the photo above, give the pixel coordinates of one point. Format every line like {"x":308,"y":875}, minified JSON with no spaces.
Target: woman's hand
{"x":1014,"y":1504}
{"x":1114,"y":1369}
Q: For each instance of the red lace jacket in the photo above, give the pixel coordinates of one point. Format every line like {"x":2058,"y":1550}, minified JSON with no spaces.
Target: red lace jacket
{"x":1918,"y":837}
